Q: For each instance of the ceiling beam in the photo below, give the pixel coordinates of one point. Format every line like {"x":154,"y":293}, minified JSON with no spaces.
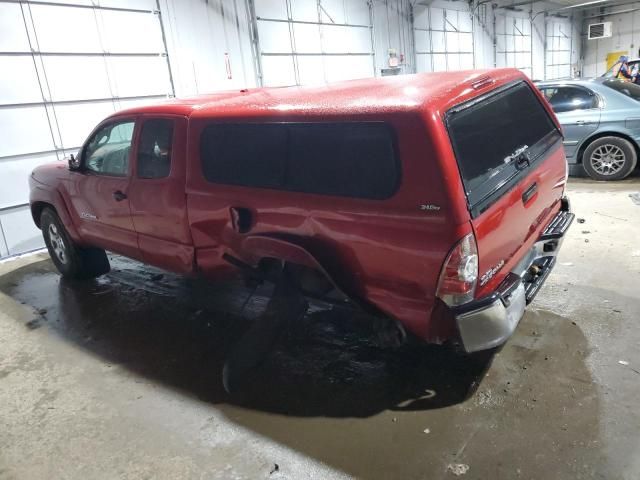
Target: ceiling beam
{"x":610,"y":4}
{"x":606,"y":14}
{"x":529,"y":2}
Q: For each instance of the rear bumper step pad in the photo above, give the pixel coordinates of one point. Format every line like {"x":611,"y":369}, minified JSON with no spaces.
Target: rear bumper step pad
{"x":537,"y":275}
{"x":558,"y":226}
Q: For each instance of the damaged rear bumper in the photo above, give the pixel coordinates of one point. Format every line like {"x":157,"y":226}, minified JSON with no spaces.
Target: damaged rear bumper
{"x":488,"y":322}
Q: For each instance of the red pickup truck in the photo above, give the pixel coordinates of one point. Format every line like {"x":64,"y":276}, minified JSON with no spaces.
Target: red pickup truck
{"x":436,"y":200}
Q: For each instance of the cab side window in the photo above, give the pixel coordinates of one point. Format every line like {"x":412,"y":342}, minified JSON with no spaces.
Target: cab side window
{"x":154,"y":149}
{"x":569,"y":99}
{"x":107,"y":152}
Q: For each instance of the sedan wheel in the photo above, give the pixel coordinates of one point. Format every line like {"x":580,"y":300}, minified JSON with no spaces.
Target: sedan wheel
{"x":608,"y":159}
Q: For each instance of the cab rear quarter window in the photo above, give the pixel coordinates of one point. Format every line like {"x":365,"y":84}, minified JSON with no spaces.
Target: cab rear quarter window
{"x":488,"y":135}
{"x":349,"y":159}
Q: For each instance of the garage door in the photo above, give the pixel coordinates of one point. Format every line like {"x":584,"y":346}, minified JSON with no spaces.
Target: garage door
{"x":558,"y":59}
{"x":64,"y":68}
{"x":303,"y":42}
{"x":513,"y":42}
{"x":443,"y":39}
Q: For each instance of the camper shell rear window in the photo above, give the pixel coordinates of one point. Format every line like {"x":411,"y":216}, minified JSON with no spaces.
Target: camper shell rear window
{"x":350,"y":159}
{"x":489,"y":134}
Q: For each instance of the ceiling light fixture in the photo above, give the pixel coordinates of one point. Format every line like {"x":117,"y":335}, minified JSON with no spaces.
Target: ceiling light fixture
{"x":584,"y":4}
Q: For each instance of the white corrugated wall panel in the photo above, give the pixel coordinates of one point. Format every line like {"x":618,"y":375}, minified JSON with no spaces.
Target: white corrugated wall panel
{"x":20,"y":233}
{"x":3,"y":244}
{"x":443,"y":37}
{"x":64,"y":68}
{"x":209,"y":45}
{"x":15,"y":174}
{"x":559,"y":38}
{"x":337,"y":44}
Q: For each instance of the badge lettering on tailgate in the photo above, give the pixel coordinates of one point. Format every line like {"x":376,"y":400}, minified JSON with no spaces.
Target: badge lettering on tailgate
{"x":488,"y":275}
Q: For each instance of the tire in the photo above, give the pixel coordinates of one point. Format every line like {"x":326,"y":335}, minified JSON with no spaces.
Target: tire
{"x":609,"y":158}
{"x":71,"y":260}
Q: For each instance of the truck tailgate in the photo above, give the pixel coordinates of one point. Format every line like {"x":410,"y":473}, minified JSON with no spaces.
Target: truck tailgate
{"x":512,"y":164}
{"x":508,"y":228}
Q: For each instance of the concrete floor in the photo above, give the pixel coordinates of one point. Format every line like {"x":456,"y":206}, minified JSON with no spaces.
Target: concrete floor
{"x":120,"y":378}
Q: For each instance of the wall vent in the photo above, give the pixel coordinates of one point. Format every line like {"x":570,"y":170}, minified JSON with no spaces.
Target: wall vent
{"x":599,"y":30}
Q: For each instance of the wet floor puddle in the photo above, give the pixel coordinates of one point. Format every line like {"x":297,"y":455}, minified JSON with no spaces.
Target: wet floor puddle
{"x":178,"y":331}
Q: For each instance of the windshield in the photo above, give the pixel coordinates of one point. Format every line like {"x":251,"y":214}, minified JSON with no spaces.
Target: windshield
{"x":613,"y":71}
{"x":627,"y":88}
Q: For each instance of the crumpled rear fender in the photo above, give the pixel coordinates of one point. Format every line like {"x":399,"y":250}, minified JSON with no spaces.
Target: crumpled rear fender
{"x":257,"y":247}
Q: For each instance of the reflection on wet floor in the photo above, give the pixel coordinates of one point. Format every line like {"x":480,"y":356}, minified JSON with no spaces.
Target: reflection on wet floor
{"x":178,"y":331}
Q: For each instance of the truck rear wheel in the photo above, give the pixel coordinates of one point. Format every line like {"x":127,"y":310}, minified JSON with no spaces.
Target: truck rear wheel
{"x":609,"y":158}
{"x":71,"y":260}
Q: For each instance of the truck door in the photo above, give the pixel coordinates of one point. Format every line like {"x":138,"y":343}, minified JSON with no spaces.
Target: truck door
{"x":157,"y":193}
{"x":578,"y":111}
{"x":99,"y":190}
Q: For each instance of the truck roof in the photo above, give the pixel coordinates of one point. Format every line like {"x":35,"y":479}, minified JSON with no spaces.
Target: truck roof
{"x":370,"y":95}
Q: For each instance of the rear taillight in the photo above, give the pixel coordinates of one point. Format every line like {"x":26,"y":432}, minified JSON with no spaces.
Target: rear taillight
{"x":459,"y":275}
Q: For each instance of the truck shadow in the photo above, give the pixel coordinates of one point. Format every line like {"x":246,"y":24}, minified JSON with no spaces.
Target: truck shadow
{"x":178,"y":332}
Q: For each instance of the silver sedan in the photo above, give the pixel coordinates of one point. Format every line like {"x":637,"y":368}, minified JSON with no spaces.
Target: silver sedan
{"x":601,"y":123}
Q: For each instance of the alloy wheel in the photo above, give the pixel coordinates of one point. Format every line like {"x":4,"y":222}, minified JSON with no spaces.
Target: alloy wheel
{"x":57,"y":244}
{"x":608,"y":159}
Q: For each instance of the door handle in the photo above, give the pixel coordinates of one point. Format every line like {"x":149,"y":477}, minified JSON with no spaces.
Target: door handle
{"x":530,"y":192}
{"x":523,"y":161}
{"x":241,"y":219}
{"x":582,"y":122}
{"x":119,"y":196}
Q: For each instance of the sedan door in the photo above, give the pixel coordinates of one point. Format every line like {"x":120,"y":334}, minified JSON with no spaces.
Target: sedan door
{"x":578,"y":111}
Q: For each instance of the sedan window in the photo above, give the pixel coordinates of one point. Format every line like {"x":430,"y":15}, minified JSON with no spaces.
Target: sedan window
{"x":569,"y":99}
{"x":627,"y":88}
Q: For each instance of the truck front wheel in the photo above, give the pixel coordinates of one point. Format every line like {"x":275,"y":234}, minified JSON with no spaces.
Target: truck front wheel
{"x":71,"y":260}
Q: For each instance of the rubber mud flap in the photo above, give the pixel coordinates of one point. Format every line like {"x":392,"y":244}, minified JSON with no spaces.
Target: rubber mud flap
{"x":285,"y":306}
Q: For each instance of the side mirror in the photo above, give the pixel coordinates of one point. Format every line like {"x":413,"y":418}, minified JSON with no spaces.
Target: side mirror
{"x":74,"y":164}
